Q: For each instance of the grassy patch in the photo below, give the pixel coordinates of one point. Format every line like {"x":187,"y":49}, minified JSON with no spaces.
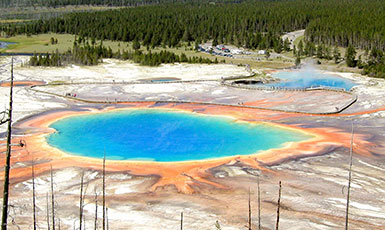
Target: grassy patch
{"x":41,"y":44}
{"x":57,"y":82}
{"x":13,"y":20}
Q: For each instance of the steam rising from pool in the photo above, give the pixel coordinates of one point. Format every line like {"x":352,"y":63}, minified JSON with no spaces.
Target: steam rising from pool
{"x":310,"y":77}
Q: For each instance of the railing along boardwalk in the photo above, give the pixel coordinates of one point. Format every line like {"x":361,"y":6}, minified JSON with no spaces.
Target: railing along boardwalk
{"x":222,"y":81}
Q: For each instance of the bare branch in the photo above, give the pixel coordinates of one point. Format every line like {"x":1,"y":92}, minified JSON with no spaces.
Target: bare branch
{"x":4,"y":119}
{"x":13,"y":218}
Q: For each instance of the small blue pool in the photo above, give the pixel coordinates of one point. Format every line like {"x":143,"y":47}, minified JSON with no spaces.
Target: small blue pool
{"x":165,"y":136}
{"x":164,"y":79}
{"x":302,"y":79}
{"x":4,"y":45}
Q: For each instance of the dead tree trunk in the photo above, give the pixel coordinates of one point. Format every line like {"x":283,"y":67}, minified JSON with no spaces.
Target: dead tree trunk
{"x":259,"y":205}
{"x":278,"y":205}
{"x":81,"y":202}
{"x":48,"y":225}
{"x":181,"y":221}
{"x":33,"y":195}
{"x":350,"y":179}
{"x":52,"y":202}
{"x":104,"y":192}
{"x":7,"y":167}
{"x":108,"y":226}
{"x":249,"y":227}
{"x":96,"y":211}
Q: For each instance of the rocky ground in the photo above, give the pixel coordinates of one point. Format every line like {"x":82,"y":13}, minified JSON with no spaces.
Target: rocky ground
{"x":313,"y":188}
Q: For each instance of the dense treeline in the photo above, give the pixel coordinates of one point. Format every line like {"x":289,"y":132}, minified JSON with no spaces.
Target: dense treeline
{"x":372,"y":62}
{"x":58,"y":3}
{"x":252,"y":24}
{"x":155,"y":59}
{"x":349,"y":22}
{"x":375,"y":66}
{"x":84,"y":53}
{"x":357,"y":23}
{"x":54,"y":59}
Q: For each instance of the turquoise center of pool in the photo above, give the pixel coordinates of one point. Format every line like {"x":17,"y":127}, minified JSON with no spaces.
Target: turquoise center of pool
{"x":310,"y":79}
{"x":165,"y":136}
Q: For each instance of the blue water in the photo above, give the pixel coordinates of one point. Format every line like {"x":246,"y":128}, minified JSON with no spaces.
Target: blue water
{"x":164,"y":136}
{"x":4,"y":45}
{"x":163,"y":80}
{"x":310,"y":78}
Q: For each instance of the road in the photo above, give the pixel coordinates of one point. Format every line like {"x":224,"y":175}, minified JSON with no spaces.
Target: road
{"x":292,"y":36}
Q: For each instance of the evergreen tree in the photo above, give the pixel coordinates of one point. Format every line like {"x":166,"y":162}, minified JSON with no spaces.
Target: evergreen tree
{"x":320,"y":53}
{"x":300,"y":48}
{"x":297,"y":61}
{"x":286,"y":45}
{"x":267,"y":55}
{"x":350,"y":57}
{"x":136,"y":45}
{"x":327,"y":54}
{"x":336,"y":55}
{"x":215,"y":42}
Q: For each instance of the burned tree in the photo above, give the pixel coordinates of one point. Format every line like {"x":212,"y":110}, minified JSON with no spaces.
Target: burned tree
{"x":47,"y":206}
{"x":350,"y":180}
{"x":259,"y":205}
{"x":278,"y":205}
{"x":181,"y":221}
{"x":104,"y":192}
{"x":52,"y":201}
{"x":249,"y":220}
{"x":96,"y":211}
{"x":33,"y":195}
{"x":8,"y":156}
{"x":81,"y":202}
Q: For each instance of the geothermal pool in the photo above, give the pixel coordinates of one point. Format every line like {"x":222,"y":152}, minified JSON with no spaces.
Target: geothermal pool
{"x":309,"y":78}
{"x":165,"y":136}
{"x":4,"y":45}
